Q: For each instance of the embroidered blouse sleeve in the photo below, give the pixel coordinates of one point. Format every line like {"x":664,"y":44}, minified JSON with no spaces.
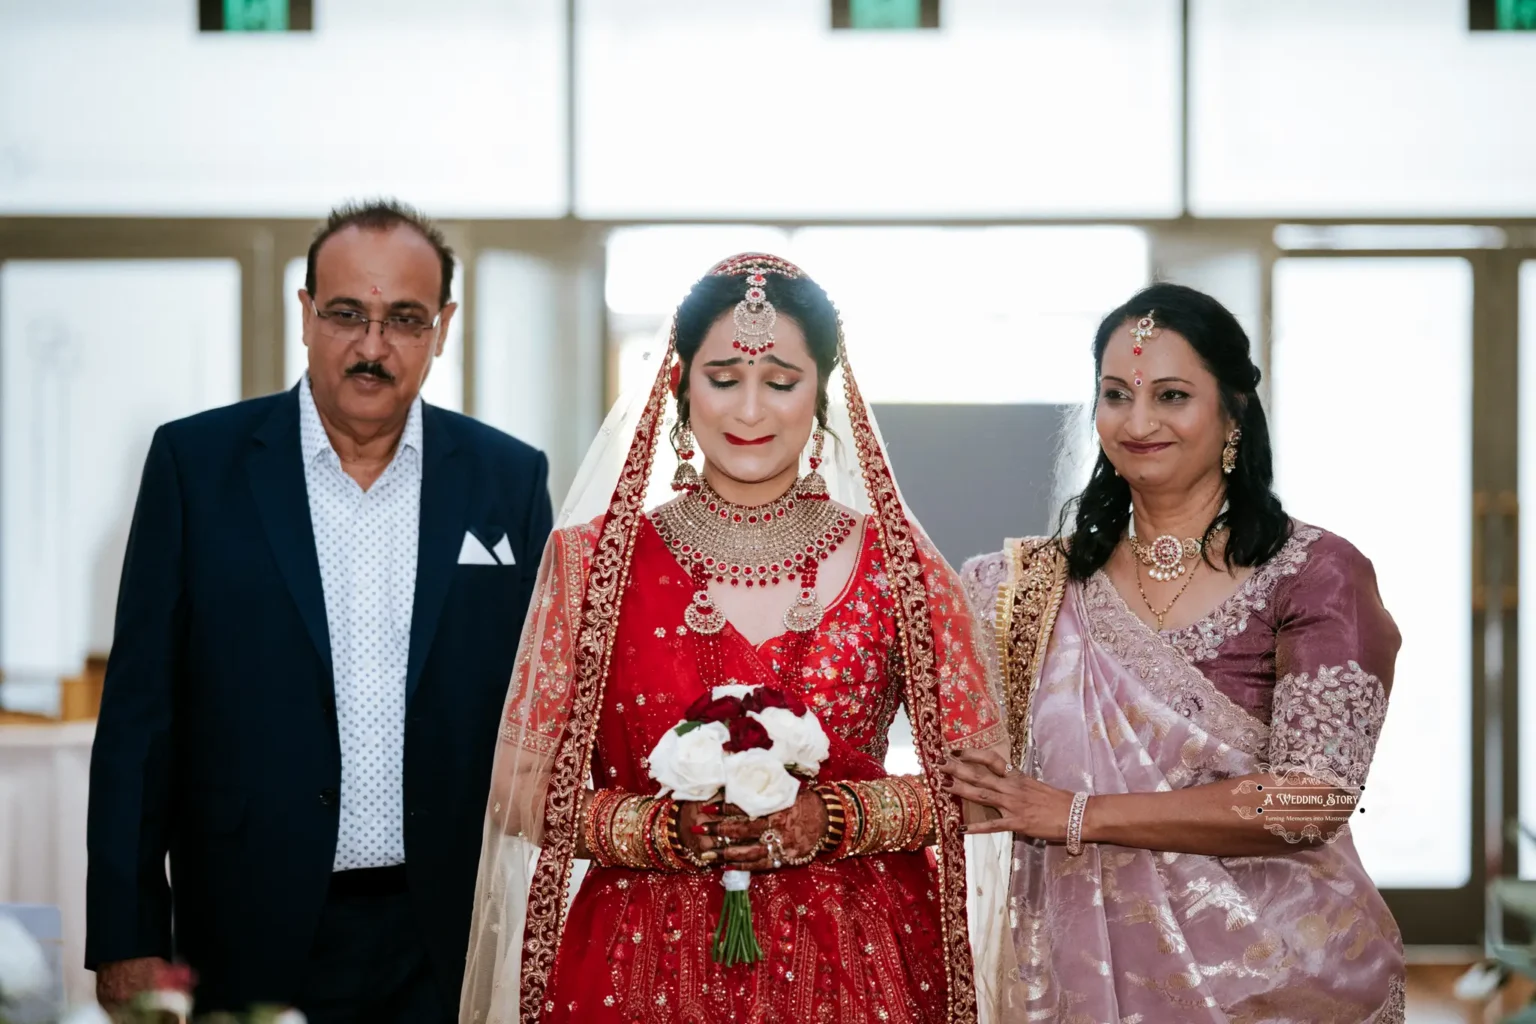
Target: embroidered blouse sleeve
{"x":1334,"y":655}
{"x":540,"y":694}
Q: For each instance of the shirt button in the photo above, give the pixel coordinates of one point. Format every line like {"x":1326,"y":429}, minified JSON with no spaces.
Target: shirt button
{"x":328,"y":797}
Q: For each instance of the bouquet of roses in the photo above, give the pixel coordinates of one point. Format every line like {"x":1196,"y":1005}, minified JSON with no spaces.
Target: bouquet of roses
{"x":756,"y":746}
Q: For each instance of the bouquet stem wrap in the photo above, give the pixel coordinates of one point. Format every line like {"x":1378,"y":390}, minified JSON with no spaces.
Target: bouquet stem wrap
{"x":735,"y":940}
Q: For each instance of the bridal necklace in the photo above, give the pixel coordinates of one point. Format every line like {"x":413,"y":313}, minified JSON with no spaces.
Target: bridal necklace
{"x":761,"y":545}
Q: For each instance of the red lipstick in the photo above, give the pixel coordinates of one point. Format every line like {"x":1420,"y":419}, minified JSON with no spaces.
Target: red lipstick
{"x":744,"y":442}
{"x":1139,"y":448}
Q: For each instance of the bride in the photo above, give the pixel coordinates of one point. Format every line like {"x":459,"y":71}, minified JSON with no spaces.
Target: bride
{"x":821,"y":585}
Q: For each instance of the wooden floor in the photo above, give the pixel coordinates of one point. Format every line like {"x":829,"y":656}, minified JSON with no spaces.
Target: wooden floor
{"x":1430,"y":1000}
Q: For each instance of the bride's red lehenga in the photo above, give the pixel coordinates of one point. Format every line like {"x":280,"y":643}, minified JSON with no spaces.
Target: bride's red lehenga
{"x":852,"y":940}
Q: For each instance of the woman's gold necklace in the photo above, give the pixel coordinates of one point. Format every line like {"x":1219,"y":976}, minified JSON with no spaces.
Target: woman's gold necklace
{"x":1166,"y":557}
{"x":1145,"y":600}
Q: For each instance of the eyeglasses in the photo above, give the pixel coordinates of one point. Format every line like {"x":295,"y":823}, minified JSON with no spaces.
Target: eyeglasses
{"x":348,"y":325}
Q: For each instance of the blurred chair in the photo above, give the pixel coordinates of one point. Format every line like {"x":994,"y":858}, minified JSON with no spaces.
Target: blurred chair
{"x":1517,"y":897}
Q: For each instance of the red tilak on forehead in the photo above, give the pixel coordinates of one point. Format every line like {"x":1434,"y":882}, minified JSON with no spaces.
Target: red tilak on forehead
{"x":375,"y":289}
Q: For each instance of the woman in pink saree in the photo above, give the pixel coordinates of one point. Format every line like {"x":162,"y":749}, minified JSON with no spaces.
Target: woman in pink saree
{"x":1195,"y":685}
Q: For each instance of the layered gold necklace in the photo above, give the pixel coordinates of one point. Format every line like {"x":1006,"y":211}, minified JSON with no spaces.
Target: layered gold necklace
{"x":761,"y":545}
{"x":1165,"y":558}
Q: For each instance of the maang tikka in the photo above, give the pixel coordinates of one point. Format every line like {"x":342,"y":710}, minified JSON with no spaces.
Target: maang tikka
{"x":1145,"y":329}
{"x":755,"y":317}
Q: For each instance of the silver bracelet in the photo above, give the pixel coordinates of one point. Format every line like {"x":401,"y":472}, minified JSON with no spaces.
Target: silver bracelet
{"x":1075,"y":824}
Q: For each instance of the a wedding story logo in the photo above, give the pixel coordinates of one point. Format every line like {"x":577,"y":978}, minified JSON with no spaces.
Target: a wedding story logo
{"x":1311,"y":805}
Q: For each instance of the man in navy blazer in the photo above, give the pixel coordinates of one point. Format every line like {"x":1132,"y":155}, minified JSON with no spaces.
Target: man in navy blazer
{"x":320,"y":609}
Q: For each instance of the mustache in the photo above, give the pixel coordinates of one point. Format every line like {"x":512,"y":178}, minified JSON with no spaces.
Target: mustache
{"x":370,"y":368}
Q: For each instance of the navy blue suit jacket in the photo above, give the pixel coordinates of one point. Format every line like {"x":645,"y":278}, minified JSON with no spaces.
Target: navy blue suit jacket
{"x":217,"y":742}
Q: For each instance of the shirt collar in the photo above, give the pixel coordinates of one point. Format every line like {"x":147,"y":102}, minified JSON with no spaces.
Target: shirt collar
{"x":314,"y":441}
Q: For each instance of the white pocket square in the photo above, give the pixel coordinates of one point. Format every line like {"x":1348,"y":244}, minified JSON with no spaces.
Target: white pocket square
{"x":472,"y":552}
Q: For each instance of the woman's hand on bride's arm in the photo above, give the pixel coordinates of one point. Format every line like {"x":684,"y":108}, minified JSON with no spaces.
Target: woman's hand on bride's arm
{"x":800,"y":829}
{"x":1026,"y":807}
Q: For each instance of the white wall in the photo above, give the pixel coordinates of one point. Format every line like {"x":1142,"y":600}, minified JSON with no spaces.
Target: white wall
{"x":94,"y":355}
{"x":1358,"y":108}
{"x":125,"y":108}
{"x":721,"y":108}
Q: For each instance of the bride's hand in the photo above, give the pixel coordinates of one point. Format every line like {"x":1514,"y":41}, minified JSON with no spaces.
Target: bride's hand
{"x":697,"y":830}
{"x":1028,"y":807}
{"x":800,"y":829}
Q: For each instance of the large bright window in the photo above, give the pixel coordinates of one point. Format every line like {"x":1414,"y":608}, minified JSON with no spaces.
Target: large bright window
{"x":1372,"y":390}
{"x":932,"y":315}
{"x":1354,"y":108}
{"x":1527,"y":567}
{"x":725,"y":108}
{"x":94,"y":355}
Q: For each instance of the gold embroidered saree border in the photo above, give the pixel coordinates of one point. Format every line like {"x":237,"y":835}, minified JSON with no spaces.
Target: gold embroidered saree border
{"x":607,"y":580}
{"x":918,"y":647}
{"x":1027,"y":605}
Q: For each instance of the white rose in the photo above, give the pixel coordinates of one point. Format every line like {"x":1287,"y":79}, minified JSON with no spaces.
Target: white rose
{"x":691,"y":766}
{"x":736,"y":690}
{"x":755,"y":781}
{"x":797,"y":739}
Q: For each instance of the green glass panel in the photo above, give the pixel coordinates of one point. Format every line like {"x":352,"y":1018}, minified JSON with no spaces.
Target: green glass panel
{"x":255,"y":15}
{"x":885,"y":13}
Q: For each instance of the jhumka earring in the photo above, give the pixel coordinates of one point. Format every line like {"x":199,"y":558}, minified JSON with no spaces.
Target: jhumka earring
{"x":755,"y":317}
{"x":1229,"y":453}
{"x":1145,"y":329}
{"x":813,"y":486}
{"x":686,"y":478}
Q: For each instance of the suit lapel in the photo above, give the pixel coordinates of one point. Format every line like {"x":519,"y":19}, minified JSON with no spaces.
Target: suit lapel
{"x":276,"y":470}
{"x":445,"y":488}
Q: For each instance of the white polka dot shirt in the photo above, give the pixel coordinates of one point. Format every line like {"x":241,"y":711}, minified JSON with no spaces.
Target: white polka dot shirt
{"x":367,"y":543}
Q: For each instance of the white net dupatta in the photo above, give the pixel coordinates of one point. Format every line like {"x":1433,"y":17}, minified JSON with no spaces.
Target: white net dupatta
{"x":528,"y":872}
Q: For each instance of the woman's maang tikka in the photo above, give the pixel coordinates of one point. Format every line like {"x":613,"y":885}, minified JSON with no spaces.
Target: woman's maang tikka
{"x":755,"y":316}
{"x":1145,"y":329}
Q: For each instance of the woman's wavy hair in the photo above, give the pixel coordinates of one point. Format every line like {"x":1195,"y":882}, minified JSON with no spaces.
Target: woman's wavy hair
{"x":1094,"y":521}
{"x":798,"y":298}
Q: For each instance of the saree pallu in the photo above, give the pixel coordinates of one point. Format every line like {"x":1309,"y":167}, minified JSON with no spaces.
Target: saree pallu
{"x":1132,"y":935}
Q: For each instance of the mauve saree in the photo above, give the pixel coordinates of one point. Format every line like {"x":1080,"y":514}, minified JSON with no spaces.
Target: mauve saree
{"x":1291,"y":672}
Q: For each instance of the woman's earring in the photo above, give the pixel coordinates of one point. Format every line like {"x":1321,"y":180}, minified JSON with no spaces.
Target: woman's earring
{"x":812,"y":486}
{"x":686,"y":478}
{"x":1229,"y":453}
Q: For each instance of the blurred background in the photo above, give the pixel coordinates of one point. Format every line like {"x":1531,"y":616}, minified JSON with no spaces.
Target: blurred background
{"x":975,"y":182}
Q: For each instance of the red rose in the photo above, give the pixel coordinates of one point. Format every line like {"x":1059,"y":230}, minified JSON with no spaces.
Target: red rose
{"x":706,"y":709}
{"x":174,"y":978}
{"x":767,"y":697}
{"x":747,"y":734}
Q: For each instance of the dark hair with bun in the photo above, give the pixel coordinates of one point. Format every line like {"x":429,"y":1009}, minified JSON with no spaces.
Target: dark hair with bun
{"x":797,"y":298}
{"x":1257,"y":524}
